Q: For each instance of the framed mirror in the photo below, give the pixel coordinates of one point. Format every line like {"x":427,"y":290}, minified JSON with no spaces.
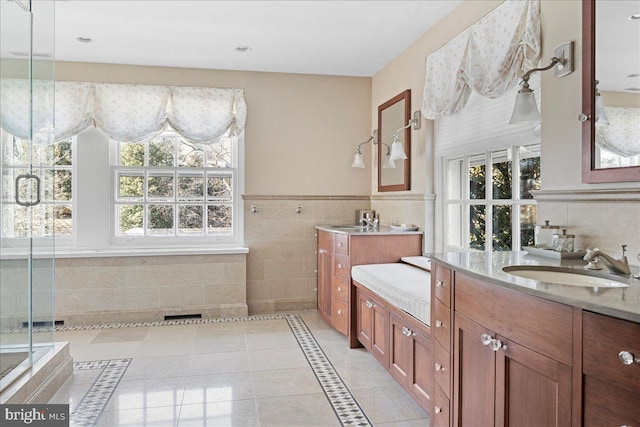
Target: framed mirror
{"x":394,"y":175}
{"x":610,"y":91}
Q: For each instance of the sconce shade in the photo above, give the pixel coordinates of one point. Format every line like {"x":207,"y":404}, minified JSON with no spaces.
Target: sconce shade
{"x":388,"y":163}
{"x":525,"y":109}
{"x":397,"y":150}
{"x":357,"y":161}
{"x":601,"y":117}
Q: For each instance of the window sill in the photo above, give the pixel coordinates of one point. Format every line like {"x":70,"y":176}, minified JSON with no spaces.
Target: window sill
{"x":125,"y":252}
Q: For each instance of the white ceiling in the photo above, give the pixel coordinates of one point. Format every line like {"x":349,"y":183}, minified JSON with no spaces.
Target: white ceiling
{"x":351,"y":38}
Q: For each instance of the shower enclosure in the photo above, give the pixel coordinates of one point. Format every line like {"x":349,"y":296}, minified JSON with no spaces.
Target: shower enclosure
{"x":26,"y":212}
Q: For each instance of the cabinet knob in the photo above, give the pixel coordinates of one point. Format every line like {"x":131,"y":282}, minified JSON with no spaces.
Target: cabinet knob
{"x":339,"y":265}
{"x":339,"y":311}
{"x":322,"y":251}
{"x":437,"y":409}
{"x":340,"y":244}
{"x":369,"y":304}
{"x":439,"y":324}
{"x":439,"y":367}
{"x":495,"y":345}
{"x":406,"y":331}
{"x":439,"y":283}
{"x":486,"y":339}
{"x":339,"y":288}
{"x":628,"y":358}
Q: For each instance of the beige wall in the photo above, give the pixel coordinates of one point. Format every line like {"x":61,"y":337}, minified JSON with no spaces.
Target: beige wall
{"x":302,"y":130}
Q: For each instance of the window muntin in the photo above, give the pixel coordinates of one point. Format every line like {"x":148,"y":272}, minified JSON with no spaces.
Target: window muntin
{"x":168,"y":187}
{"x":53,"y":163}
{"x":491,"y":212}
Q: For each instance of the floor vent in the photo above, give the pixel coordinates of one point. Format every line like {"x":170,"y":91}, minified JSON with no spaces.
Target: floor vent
{"x":44,"y":324}
{"x":183,"y":316}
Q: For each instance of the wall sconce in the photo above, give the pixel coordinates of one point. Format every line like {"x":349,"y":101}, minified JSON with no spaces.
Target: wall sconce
{"x":526,"y":109}
{"x":397,"y":150}
{"x":358,"y":162}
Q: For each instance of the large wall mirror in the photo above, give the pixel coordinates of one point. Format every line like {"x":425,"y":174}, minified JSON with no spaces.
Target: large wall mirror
{"x":611,"y":91}
{"x":394,"y":175}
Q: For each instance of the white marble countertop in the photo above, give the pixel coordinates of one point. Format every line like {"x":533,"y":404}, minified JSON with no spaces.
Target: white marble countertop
{"x":342,"y":228}
{"x":623,"y":303}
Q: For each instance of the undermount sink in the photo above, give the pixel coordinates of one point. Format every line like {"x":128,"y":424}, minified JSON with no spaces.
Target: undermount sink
{"x":349,"y":227}
{"x":565,"y":276}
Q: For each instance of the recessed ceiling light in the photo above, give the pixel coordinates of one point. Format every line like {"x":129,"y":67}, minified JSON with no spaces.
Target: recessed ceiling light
{"x":635,"y":16}
{"x":84,"y":39}
{"x":243,"y":48}
{"x":633,"y":75}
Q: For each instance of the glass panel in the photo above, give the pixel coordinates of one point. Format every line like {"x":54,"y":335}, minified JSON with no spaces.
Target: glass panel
{"x":219,"y":219}
{"x":61,"y":154}
{"x":63,"y":220}
{"x":57,"y":185}
{"x":130,"y":220}
{"x":455,"y":178}
{"x":477,"y":177}
{"x":219,"y":155}
{"x":454,"y":223}
{"x":131,"y":154}
{"x":130,"y":186}
{"x":160,"y":220}
{"x":527,"y":224}
{"x":529,"y":171}
{"x":190,"y":219}
{"x":219,"y":188}
{"x":477,"y":229}
{"x":502,"y":225}
{"x":160,"y":187}
{"x":161,"y":151}
{"x":190,"y":155}
{"x":501,"y":166}
{"x":191,"y":187}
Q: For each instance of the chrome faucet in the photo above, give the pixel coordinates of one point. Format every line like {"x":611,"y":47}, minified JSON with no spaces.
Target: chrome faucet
{"x":618,"y":266}
{"x":369,"y":222}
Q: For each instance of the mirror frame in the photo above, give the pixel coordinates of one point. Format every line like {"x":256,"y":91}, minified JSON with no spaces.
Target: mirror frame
{"x":591,"y":174}
{"x":406,"y":185}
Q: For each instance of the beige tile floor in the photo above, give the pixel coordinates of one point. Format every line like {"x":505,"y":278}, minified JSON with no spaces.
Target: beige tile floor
{"x":237,"y":373}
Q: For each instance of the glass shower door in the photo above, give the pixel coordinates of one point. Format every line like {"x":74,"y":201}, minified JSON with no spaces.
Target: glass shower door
{"x":27,"y":224}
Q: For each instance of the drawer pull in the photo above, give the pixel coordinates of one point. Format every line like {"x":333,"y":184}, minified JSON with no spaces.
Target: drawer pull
{"x":339,"y":289}
{"x":486,"y":339}
{"x":322,"y":251}
{"x":627,"y":358}
{"x":439,"y":324}
{"x":439,"y":283}
{"x":339,"y":265}
{"x":369,"y":304}
{"x":439,"y":367}
{"x":340,"y":244}
{"x":437,"y":409}
{"x":339,"y":311}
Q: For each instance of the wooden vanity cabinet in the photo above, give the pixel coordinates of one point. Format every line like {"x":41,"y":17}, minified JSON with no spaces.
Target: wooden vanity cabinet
{"x":441,"y":321}
{"x":373,"y":326}
{"x":337,"y":253}
{"x":611,"y":388}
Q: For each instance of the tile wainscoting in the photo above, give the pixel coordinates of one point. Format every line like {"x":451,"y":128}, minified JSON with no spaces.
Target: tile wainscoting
{"x":281,"y":264}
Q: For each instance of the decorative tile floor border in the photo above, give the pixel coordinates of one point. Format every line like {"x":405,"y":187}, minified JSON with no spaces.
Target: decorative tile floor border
{"x":90,"y":409}
{"x":344,"y":404}
{"x":93,"y":403}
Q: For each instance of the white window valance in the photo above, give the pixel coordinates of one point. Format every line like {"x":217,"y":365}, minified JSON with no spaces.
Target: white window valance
{"x":125,"y":112}
{"x":622,"y":135}
{"x":488,"y":58}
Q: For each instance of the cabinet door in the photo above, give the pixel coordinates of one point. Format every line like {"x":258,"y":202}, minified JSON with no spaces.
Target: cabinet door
{"x":364,"y":319}
{"x":420,"y":376}
{"x":399,"y":351}
{"x":606,"y":404}
{"x":474,"y":374}
{"x":325,"y":276}
{"x":531,"y":389}
{"x":380,"y":334}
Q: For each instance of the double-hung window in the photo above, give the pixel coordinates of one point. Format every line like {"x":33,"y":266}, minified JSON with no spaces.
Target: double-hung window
{"x":488,"y":201}
{"x":169,"y":190}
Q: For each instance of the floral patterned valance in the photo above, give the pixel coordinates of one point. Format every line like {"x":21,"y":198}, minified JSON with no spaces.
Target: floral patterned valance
{"x":125,"y":112}
{"x":488,"y":58}
{"x":622,"y":135}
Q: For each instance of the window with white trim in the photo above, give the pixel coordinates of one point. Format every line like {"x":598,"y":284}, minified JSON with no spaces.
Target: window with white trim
{"x":53,"y":164}
{"x":169,"y":189}
{"x":488,"y":203}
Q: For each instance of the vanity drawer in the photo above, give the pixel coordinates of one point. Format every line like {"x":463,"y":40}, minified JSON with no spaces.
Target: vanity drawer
{"x":325,"y":240}
{"x":441,"y":327}
{"x":440,"y":414}
{"x":340,"y":316}
{"x":442,"y":368}
{"x":604,"y":338}
{"x":441,"y":277}
{"x":341,"y":289}
{"x":342,"y":266}
{"x":341,"y":243}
